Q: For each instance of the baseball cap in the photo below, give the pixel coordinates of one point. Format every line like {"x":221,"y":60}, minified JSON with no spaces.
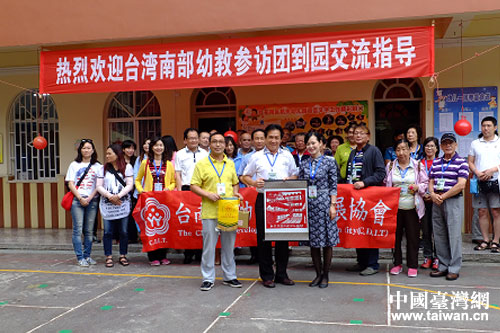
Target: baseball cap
{"x":448,"y":136}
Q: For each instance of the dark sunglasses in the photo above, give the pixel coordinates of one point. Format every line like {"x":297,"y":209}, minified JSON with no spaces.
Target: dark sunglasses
{"x":86,"y":140}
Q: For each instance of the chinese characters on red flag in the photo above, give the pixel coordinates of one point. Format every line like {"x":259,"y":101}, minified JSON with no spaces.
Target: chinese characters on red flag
{"x":321,"y":57}
{"x":172,"y":219}
{"x":367,"y":218}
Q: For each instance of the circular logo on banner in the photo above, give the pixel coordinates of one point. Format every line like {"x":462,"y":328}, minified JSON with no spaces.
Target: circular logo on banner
{"x":156,"y":217}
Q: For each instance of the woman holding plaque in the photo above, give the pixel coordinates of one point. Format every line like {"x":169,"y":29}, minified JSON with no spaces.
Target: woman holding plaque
{"x":157,"y":174}
{"x":321,"y":173}
{"x":409,"y":175}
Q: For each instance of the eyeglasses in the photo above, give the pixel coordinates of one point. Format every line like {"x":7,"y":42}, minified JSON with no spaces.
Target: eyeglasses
{"x":86,"y":140}
{"x":360,"y":133}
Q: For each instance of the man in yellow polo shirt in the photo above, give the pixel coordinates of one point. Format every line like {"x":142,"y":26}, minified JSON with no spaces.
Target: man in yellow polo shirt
{"x":215,"y":177}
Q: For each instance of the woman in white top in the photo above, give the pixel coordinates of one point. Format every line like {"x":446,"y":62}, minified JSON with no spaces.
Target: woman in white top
{"x":114,"y":182}
{"x":84,"y":206}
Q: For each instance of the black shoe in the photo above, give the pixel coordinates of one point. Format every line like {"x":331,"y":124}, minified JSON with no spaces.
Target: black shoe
{"x":324,"y":282}
{"x":206,"y":286}
{"x":232,"y":283}
{"x":452,"y":276}
{"x":285,"y":281}
{"x":268,"y":284}
{"x":438,"y":273}
{"x":96,"y":241}
{"x":315,"y":282}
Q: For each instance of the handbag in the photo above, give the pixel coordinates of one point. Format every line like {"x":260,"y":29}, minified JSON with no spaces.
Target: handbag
{"x":67,"y":199}
{"x":490,"y":186}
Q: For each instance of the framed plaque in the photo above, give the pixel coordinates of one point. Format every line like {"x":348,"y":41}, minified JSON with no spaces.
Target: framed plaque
{"x":285,"y":215}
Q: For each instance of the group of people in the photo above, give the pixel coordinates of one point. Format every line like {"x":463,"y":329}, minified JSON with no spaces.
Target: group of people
{"x":214,"y":166}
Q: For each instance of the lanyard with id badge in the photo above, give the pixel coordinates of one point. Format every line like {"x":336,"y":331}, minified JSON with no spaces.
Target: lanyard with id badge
{"x":440,"y":182}
{"x":157,"y":186}
{"x":404,"y":186}
{"x":272,"y":175}
{"x":221,"y":187}
{"x":313,"y":189}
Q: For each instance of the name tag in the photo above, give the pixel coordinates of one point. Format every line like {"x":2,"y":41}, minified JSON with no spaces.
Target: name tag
{"x":221,"y":189}
{"x":313,"y":191}
{"x":272,"y":175}
{"x":440,"y":184}
{"x":158,"y":187}
{"x":404,"y":189}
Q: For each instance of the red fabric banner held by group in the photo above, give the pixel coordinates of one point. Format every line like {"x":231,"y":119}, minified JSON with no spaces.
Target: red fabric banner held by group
{"x":171,"y":219}
{"x":367,"y":217}
{"x":319,"y":57}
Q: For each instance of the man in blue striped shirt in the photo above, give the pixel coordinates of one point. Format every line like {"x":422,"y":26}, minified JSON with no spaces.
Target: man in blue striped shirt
{"x":447,"y":179}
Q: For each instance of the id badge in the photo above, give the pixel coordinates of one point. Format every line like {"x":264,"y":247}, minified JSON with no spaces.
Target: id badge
{"x":221,"y":189}
{"x":440,"y":184}
{"x":158,"y":187}
{"x":313,"y":191}
{"x":272,"y":175}
{"x":404,"y":189}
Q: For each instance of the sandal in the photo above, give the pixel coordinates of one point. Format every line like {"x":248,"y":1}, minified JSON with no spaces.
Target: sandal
{"x":484,"y":245}
{"x":123,"y":261}
{"x":109,"y":262}
{"x":495,"y":247}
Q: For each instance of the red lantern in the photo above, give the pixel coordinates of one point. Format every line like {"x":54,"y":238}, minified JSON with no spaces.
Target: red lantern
{"x":39,"y":142}
{"x":232,"y":134}
{"x":463,"y":127}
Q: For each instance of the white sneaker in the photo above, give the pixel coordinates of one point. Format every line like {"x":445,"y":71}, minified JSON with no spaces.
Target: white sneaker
{"x":91,"y":261}
{"x":83,"y":263}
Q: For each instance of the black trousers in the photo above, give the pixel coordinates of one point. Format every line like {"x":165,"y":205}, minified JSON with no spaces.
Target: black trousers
{"x":409,"y":226}
{"x":264,"y":249}
{"x":157,"y":254}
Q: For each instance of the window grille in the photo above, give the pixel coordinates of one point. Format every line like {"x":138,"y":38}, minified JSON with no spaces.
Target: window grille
{"x":133,"y":115}
{"x":30,"y":116}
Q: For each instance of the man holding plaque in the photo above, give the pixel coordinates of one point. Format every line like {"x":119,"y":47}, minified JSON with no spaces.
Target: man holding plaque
{"x":214,"y":179}
{"x":270,"y":163}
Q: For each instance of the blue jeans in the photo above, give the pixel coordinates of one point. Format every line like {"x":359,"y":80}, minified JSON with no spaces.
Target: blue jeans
{"x":83,"y":222}
{"x":368,"y":258}
{"x":107,"y":239}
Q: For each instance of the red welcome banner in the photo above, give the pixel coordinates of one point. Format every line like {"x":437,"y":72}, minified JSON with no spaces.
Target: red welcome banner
{"x":367,"y":217}
{"x":320,"y":57}
{"x":172,"y":219}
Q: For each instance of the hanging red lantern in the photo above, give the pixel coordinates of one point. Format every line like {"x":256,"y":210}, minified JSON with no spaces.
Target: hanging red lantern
{"x":39,"y":142}
{"x":463,"y":127}
{"x":232,"y":134}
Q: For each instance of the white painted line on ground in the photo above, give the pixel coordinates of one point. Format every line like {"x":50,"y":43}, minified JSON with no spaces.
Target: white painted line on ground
{"x":82,"y":304}
{"x":15,"y":278}
{"x":388,"y":277}
{"x":333,"y":323}
{"x":229,"y":307}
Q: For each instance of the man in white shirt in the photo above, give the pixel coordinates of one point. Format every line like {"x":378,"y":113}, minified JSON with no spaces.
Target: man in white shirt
{"x":484,"y":161}
{"x":245,"y":144}
{"x":185,"y":160}
{"x":270,"y":163}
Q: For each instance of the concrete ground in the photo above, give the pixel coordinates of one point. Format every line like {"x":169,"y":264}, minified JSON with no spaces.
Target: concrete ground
{"x":44,"y":291}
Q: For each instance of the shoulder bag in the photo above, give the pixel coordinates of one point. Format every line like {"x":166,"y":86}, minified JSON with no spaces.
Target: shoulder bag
{"x":67,"y":199}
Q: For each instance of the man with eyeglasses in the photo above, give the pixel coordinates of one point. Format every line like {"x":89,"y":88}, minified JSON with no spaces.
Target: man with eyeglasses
{"x":214,"y":178}
{"x":343,"y":152}
{"x":185,"y":160}
{"x":447,"y":179}
{"x":365,"y":167}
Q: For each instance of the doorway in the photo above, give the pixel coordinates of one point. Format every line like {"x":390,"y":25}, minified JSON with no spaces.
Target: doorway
{"x":398,"y":104}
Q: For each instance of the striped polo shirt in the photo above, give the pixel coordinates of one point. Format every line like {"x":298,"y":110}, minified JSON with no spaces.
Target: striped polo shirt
{"x":450,"y":171}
